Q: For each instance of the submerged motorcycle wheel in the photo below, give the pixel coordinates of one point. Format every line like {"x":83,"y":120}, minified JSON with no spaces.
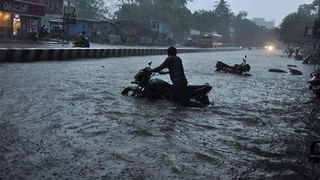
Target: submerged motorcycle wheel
{"x":130,"y":91}
{"x":204,"y":100}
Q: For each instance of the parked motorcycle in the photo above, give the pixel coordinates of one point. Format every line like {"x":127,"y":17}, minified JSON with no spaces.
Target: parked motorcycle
{"x":240,"y":69}
{"x":154,"y":88}
{"x":315,"y":83}
{"x":81,"y":42}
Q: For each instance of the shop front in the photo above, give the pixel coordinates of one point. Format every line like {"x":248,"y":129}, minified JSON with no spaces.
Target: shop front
{"x":21,"y":18}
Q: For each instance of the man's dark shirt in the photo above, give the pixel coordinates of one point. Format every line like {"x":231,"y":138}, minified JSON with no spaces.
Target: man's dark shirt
{"x":175,"y":66}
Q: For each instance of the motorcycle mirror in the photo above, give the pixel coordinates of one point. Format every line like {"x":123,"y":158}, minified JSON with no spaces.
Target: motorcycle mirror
{"x":150,"y":63}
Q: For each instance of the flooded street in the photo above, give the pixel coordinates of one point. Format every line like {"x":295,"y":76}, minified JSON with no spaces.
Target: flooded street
{"x":67,"y":120}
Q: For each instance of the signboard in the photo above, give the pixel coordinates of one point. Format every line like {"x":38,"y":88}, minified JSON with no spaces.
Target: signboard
{"x":53,"y":6}
{"x":23,"y":8}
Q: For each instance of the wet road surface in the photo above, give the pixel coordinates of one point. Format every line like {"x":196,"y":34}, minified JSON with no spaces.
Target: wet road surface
{"x":67,"y":120}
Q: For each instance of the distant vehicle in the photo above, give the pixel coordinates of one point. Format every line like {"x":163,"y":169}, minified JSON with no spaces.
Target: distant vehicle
{"x":81,"y":42}
{"x":84,"y":44}
{"x":209,"y":40}
{"x":205,"y":40}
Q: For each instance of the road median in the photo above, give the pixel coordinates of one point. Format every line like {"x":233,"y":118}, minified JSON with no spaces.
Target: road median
{"x":63,"y":54}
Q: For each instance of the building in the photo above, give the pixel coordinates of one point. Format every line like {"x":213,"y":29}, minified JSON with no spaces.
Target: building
{"x":263,"y":23}
{"x":96,"y":30}
{"x":21,"y":18}
{"x":53,"y":10}
{"x":134,"y":31}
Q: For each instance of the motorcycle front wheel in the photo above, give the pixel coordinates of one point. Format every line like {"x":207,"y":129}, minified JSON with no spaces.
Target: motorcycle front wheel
{"x":130,"y":91}
{"x":204,"y":100}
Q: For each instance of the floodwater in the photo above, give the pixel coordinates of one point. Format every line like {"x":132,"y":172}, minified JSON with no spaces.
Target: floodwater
{"x":67,"y":120}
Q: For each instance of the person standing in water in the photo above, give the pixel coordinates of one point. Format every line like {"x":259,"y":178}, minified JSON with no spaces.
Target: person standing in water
{"x":177,"y":76}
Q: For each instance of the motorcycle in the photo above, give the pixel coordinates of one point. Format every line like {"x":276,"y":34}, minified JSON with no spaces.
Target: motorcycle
{"x":81,"y":42}
{"x":154,"y":88}
{"x":315,"y":83}
{"x":240,"y":69}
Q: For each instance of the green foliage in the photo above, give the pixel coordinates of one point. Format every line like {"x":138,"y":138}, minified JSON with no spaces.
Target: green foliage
{"x":91,"y":9}
{"x":222,"y":10}
{"x":307,"y":9}
{"x":173,"y":12}
{"x":247,"y":33}
{"x":223,"y":15}
{"x":205,"y":21}
{"x":292,"y":28}
{"x":218,"y":20}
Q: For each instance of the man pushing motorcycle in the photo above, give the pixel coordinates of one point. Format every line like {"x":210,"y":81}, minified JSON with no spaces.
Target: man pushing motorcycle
{"x":179,"y":91}
{"x":177,"y":76}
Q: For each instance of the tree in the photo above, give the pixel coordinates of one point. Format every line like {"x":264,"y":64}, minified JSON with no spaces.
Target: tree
{"x":222,"y":10}
{"x":247,"y":33}
{"x":172,"y":12}
{"x":245,"y":30}
{"x":205,"y":21}
{"x":181,"y":20}
{"x":93,"y":9}
{"x":307,"y":9}
{"x":292,"y":28}
{"x":224,"y":16}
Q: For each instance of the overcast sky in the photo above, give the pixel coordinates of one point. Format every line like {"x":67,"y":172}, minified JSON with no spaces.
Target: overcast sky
{"x":268,"y":9}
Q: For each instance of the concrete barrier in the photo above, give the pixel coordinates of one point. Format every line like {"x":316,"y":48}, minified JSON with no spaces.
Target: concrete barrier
{"x":38,"y":54}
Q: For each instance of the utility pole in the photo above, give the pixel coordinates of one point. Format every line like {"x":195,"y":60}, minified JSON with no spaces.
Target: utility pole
{"x":63,"y":22}
{"x":68,"y":16}
{"x":316,"y":40}
{"x":318,"y":8}
{"x":65,"y":19}
{"x":62,"y":29}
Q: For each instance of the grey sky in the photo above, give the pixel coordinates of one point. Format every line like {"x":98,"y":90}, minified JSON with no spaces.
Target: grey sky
{"x":268,"y":9}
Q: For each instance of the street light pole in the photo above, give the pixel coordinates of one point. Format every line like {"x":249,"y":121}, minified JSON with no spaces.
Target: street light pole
{"x":65,"y":19}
